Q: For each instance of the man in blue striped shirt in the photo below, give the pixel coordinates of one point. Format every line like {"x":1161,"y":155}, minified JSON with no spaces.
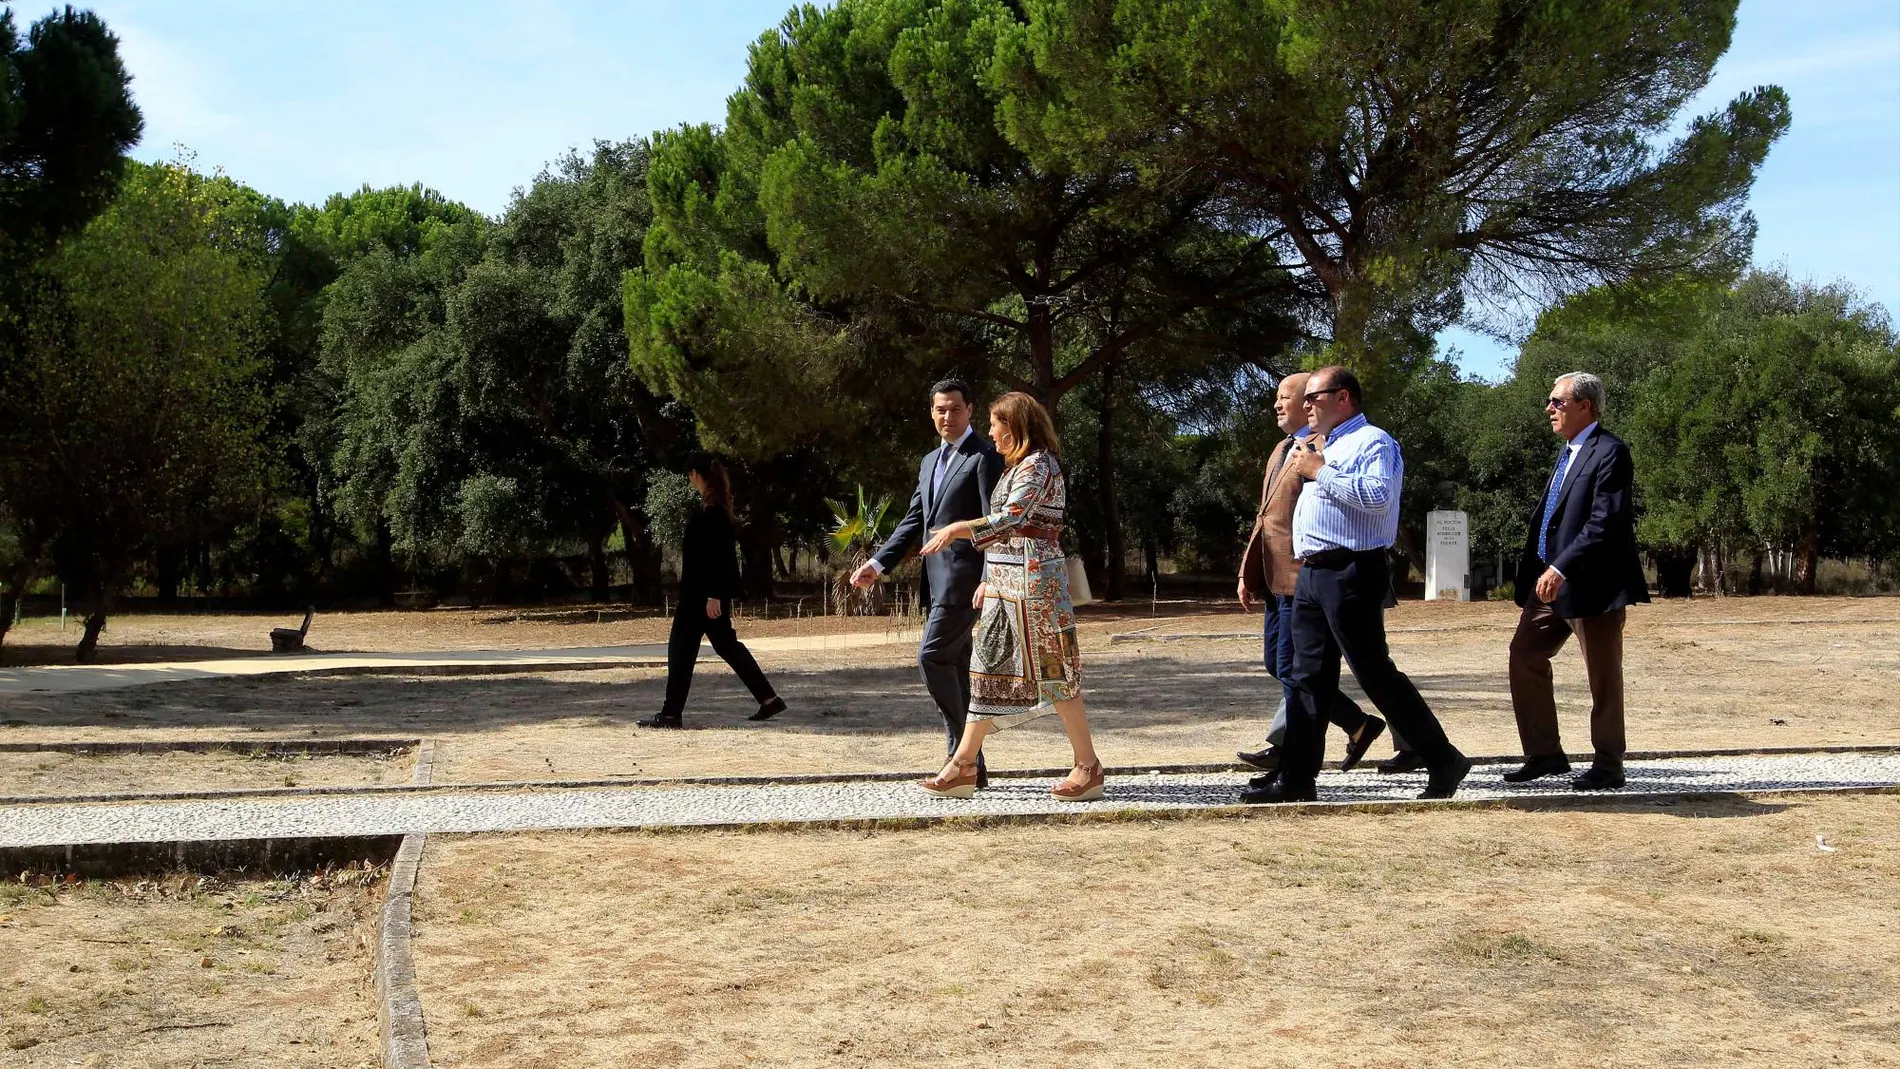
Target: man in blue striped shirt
{"x":1346,"y":519}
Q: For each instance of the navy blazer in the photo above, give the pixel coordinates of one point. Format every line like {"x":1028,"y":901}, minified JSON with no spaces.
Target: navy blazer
{"x":950,"y":577}
{"x":1592,"y":538}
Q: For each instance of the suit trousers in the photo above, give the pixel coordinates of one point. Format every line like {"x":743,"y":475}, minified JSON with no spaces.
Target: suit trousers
{"x":943,"y":658}
{"x":1279,"y":660}
{"x":682,"y":653}
{"x":1339,"y":610}
{"x":1540,"y":634}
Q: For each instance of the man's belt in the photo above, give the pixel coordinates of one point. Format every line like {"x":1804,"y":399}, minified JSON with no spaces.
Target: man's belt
{"x":1339,"y":558}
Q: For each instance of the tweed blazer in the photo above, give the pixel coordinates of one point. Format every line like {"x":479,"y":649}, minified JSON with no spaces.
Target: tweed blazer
{"x":1269,"y":563}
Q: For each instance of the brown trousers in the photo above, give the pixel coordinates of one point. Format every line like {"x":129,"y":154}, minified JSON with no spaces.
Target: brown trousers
{"x":1540,"y":634}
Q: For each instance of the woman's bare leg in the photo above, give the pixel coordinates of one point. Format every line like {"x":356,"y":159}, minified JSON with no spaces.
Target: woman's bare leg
{"x":967,"y":749}
{"x":1075,"y":721}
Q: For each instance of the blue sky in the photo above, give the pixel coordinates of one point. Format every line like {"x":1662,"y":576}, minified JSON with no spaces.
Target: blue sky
{"x":304,"y":99}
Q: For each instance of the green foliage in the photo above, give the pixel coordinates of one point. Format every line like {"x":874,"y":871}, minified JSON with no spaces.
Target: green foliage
{"x":1415,"y":157}
{"x":1776,"y":428}
{"x":133,"y":410}
{"x":669,"y":503}
{"x":486,"y":408}
{"x":862,"y":530}
{"x":865,"y":223}
{"x":66,"y":121}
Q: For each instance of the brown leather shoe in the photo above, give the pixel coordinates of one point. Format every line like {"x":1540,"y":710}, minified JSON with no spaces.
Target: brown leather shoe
{"x":961,"y":785}
{"x":1087,"y":792}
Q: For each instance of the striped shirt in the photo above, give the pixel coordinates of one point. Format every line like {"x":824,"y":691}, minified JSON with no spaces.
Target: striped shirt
{"x":1354,"y":501}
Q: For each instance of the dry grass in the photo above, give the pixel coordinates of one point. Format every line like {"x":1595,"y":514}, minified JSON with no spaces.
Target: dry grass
{"x":189,"y":971}
{"x":51,"y":773}
{"x":1693,"y":934}
{"x":1696,"y":679}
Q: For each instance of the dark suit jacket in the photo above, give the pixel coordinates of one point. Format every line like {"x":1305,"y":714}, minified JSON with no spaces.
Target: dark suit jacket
{"x":950,"y":577}
{"x":1592,"y":534}
{"x":709,"y":557}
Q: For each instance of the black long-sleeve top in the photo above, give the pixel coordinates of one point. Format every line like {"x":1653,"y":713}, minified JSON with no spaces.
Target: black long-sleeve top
{"x":709,"y":559}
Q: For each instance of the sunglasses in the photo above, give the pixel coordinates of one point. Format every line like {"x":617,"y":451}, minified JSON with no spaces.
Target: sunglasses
{"x":1317,"y":394}
{"x":1558,"y":403}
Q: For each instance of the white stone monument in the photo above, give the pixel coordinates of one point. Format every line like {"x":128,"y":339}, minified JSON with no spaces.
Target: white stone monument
{"x":1447,"y":556}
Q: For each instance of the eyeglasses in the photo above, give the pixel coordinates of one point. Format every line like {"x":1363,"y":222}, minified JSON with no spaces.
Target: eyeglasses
{"x":1558,"y":403}
{"x":1317,"y":394}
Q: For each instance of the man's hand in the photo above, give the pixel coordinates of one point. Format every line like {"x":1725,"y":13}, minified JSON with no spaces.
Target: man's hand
{"x":1307,"y":462}
{"x":864,"y":576}
{"x":1548,"y":586}
{"x":982,"y":590}
{"x":712,"y":609}
{"x":1246,"y":602}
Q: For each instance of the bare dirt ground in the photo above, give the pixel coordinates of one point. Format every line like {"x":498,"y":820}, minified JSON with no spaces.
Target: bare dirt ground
{"x":189,"y":971}
{"x":1690,"y":934}
{"x":51,"y":773}
{"x":1708,"y":674}
{"x":144,"y":638}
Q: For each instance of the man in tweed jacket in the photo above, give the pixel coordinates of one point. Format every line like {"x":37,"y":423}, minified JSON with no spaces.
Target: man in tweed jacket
{"x":1268,"y":570}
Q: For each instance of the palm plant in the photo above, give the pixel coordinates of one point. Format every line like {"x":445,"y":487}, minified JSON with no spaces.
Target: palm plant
{"x":853,"y":537}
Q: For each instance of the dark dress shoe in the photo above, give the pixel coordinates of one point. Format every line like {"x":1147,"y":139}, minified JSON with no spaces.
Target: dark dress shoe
{"x":1266,"y":760}
{"x":1403,"y":761}
{"x":1444,"y":782}
{"x":1261,"y":781}
{"x":1538,"y":768}
{"x":662,"y":722}
{"x":1356,"y":745}
{"x":982,"y":777}
{"x":1598,"y":778}
{"x":769,"y":709}
{"x":1279,"y":792}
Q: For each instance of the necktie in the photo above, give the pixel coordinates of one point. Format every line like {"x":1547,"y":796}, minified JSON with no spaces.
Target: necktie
{"x":1550,"y":505}
{"x":943,"y":463}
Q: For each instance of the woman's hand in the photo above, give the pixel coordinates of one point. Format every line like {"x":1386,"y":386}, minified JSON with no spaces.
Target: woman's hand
{"x":713,"y":611}
{"x":941,"y":538}
{"x":982,"y":591}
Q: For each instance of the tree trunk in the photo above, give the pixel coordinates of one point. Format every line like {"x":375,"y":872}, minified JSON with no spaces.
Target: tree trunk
{"x":1117,"y":542}
{"x":643,"y":557}
{"x":1090,"y":547}
{"x":1755,"y":573}
{"x":169,"y":562}
{"x":1808,"y":564}
{"x":1675,"y":570}
{"x":95,"y":622}
{"x":755,"y":569}
{"x":597,"y":566}
{"x":384,"y":554}
{"x":12,"y":588}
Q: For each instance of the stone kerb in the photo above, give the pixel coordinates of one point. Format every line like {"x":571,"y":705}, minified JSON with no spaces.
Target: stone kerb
{"x":405,"y":1037}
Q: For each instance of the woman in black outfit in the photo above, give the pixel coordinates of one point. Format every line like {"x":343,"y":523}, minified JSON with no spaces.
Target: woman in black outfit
{"x":709,"y":580}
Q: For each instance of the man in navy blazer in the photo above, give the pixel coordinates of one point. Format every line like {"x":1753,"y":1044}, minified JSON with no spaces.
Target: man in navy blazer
{"x":1577,"y":573}
{"x":953,"y":483}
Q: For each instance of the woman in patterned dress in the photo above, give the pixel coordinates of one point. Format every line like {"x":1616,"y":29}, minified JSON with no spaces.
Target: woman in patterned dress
{"x":1026,"y":659}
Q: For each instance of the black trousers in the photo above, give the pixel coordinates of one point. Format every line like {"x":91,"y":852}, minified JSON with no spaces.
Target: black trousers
{"x":1339,"y":610}
{"x":943,"y":659}
{"x":682,"y":652}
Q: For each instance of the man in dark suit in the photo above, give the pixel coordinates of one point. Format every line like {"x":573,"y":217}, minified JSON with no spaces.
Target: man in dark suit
{"x":953,"y":483}
{"x":1578,"y":571}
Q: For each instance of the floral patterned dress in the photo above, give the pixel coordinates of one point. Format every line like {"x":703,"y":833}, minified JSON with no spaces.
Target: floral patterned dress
{"x":1026,"y":658}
